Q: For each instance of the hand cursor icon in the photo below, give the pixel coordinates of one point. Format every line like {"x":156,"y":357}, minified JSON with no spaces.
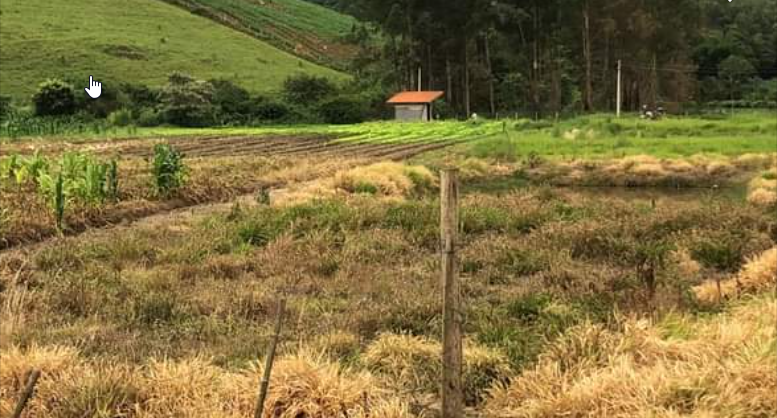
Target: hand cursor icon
{"x":95,"y":88}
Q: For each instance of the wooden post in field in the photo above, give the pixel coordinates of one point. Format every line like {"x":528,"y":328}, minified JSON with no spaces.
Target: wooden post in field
{"x":32,"y":379}
{"x":265,"y":384}
{"x":619,"y":89}
{"x":452,"y":398}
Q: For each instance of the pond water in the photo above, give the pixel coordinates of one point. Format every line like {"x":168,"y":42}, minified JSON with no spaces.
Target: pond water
{"x":735,"y":192}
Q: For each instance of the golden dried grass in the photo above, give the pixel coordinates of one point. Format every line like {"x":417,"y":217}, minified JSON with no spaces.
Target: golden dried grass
{"x":762,"y":197}
{"x":387,"y":178}
{"x":763,"y":189}
{"x":726,"y":369}
{"x":472,"y":167}
{"x":311,"y":386}
{"x":414,"y":363}
{"x":303,"y":385}
{"x":338,"y":344}
{"x":760,"y":273}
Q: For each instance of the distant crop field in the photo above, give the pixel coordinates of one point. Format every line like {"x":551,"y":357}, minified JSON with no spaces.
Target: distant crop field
{"x":303,"y":28}
{"x":136,"y":41}
{"x":603,"y":136}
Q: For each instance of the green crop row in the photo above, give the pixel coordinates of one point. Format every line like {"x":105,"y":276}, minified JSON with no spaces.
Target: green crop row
{"x":81,"y":179}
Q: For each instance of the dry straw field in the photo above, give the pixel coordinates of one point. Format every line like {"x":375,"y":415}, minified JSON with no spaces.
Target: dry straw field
{"x":649,"y":295}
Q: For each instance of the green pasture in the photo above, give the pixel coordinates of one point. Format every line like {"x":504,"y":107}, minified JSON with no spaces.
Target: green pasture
{"x":137,"y":41}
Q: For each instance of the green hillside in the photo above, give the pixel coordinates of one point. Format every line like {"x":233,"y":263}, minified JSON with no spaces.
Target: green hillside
{"x":139,"y":41}
{"x":300,"y":27}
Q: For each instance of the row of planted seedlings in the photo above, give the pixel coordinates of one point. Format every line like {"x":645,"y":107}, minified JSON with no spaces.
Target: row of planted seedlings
{"x":78,"y":180}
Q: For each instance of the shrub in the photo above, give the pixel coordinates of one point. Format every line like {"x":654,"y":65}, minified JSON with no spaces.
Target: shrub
{"x":54,"y":98}
{"x":187,"y":102}
{"x":723,"y":253}
{"x":169,"y":169}
{"x":305,"y":90}
{"x":232,"y":102}
{"x":139,"y":96}
{"x":121,"y":118}
{"x":111,"y":99}
{"x":5,"y":105}
{"x":270,"y":110}
{"x":342,"y":111}
{"x":149,"y":117}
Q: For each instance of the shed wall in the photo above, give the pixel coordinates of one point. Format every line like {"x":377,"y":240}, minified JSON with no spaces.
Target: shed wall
{"x":412,"y":112}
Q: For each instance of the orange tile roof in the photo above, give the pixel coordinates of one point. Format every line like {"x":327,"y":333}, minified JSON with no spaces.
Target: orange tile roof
{"x":415,"y":97}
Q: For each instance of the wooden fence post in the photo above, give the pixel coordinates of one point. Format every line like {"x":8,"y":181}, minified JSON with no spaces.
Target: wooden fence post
{"x":452,"y":398}
{"x":265,"y":384}
{"x":32,"y":380}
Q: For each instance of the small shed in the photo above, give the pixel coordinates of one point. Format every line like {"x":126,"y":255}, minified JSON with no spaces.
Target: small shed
{"x":414,"y":105}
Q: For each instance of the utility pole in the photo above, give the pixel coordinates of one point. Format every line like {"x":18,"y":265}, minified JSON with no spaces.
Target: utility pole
{"x":619,"y":94}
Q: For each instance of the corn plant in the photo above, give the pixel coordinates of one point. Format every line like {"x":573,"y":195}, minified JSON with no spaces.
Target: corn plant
{"x":169,"y":170}
{"x":113,"y":180}
{"x":88,"y":180}
{"x":59,"y":201}
{"x":54,"y":190}
{"x":8,"y":166}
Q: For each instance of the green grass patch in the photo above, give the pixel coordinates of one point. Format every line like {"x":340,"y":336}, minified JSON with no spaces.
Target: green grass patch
{"x":138,"y":41}
{"x":300,"y":27}
{"x":600,"y":136}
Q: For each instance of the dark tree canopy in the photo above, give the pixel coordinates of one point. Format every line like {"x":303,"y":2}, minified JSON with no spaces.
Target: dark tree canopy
{"x":547,"y":56}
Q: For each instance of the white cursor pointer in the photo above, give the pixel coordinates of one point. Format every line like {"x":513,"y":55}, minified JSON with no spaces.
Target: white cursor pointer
{"x":95,"y":88}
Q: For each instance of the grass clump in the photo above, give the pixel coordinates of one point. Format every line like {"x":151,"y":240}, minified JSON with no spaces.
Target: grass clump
{"x":725,"y":367}
{"x":310,"y":386}
{"x":763,"y":190}
{"x":415,"y":363}
{"x":303,"y":385}
{"x":386,"y":179}
{"x":759,"y":274}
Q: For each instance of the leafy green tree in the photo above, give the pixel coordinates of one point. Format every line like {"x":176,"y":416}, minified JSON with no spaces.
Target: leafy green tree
{"x":342,"y":111}
{"x":735,"y":70}
{"x":305,"y":90}
{"x":54,"y":98}
{"x":232,"y":102}
{"x":187,"y":102}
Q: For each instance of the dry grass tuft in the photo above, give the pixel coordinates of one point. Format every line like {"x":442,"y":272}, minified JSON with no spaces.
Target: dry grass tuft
{"x":727,"y":369}
{"x":53,"y":362}
{"x":760,"y":273}
{"x":313,"y":387}
{"x":386,"y":178}
{"x":763,"y":189}
{"x":303,"y":386}
{"x":414,"y":363}
{"x":338,"y":344}
{"x":472,"y":168}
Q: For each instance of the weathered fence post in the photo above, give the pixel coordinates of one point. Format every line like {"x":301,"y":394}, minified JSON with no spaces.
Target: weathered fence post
{"x":452,"y":399}
{"x":265,"y":384}
{"x":32,"y":380}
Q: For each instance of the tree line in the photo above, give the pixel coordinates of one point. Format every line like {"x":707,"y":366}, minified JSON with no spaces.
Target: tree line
{"x":542,"y":57}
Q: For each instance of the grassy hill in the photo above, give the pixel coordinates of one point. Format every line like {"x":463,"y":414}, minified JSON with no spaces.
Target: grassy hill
{"x":300,"y":27}
{"x":138,"y":41}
